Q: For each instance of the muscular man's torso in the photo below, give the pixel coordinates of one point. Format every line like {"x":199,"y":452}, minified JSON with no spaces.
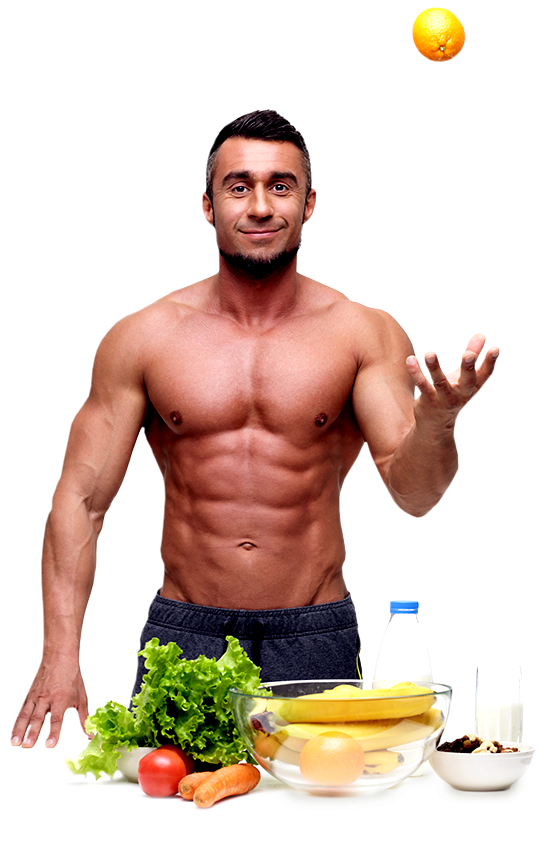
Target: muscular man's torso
{"x":254,"y":432}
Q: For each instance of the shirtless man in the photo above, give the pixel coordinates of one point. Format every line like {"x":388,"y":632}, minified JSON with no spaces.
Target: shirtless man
{"x":257,"y":388}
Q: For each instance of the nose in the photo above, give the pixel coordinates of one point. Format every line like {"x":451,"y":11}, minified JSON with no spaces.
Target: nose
{"x":260,"y":204}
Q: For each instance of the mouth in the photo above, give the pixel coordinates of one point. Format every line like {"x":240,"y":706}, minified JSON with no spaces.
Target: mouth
{"x":259,"y":233}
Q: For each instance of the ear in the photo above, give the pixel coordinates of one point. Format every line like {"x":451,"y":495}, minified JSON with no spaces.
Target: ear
{"x":207,"y":207}
{"x":309,"y":205}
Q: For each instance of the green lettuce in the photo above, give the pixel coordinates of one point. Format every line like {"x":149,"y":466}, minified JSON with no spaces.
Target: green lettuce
{"x":182,"y":702}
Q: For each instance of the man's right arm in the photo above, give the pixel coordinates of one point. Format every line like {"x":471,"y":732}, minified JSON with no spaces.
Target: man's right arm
{"x":99,"y":449}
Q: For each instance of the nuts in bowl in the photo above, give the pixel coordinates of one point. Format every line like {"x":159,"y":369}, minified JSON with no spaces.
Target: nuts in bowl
{"x":470,"y":744}
{"x":472,"y":763}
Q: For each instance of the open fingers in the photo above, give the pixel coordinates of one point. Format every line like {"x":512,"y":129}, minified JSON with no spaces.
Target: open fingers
{"x":439,"y":379}
{"x":417,"y":375}
{"x":487,"y":367}
{"x":476,"y":344}
{"x":443,"y":389}
{"x":34,"y":726}
{"x":32,"y":716}
{"x":468,"y":376}
{"x":29,"y":723}
{"x":454,"y":391}
{"x":55,"y":724}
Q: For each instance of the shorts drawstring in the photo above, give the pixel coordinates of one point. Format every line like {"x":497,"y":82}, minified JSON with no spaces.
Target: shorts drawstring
{"x":228,"y":629}
{"x":257,"y":636}
{"x":257,"y":639}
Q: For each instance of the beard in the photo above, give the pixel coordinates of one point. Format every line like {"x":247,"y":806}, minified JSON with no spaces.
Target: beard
{"x":259,"y":268}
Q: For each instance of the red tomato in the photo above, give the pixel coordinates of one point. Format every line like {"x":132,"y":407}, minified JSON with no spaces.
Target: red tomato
{"x":161,"y":770}
{"x":189,"y":763}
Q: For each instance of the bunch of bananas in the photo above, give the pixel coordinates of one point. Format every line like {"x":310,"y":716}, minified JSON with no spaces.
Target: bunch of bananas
{"x":348,"y":703}
{"x":381,"y":721}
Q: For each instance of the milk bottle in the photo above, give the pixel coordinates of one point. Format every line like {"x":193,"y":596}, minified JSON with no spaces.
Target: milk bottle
{"x":403,"y":656}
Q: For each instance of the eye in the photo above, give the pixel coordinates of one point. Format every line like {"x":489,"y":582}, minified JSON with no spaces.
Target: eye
{"x":239,"y":189}
{"x":280,"y":188}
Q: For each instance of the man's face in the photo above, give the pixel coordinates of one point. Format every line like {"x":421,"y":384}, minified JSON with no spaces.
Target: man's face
{"x":259,"y":201}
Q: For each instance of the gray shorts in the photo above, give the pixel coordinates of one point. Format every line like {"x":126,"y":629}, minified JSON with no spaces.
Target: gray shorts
{"x":313,"y":642}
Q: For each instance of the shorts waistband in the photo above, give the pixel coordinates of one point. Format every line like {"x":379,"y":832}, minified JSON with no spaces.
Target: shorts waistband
{"x":242,"y":623}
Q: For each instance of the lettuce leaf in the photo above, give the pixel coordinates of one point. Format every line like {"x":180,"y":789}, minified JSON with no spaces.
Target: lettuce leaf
{"x":183,"y":702}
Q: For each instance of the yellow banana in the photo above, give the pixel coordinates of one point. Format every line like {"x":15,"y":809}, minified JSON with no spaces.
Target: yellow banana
{"x":270,"y":747}
{"x":371,"y":735}
{"x":266,"y":745}
{"x":348,"y":703}
{"x":381,"y":762}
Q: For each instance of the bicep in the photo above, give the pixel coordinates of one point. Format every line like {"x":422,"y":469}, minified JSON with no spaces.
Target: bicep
{"x":383,"y":394}
{"x":105,"y":430}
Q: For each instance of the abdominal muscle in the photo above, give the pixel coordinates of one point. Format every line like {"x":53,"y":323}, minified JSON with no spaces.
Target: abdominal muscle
{"x":251,"y":522}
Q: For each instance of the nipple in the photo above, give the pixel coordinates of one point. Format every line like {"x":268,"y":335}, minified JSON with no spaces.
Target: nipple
{"x":320,"y":419}
{"x":176,"y":418}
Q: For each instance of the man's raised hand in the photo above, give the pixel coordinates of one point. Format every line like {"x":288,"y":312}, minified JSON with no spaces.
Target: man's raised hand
{"x":446,"y":395}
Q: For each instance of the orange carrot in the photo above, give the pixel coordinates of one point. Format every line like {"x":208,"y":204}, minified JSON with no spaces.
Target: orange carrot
{"x":189,"y":784}
{"x":230,"y":780}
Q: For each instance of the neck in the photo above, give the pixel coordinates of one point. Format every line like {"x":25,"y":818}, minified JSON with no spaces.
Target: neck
{"x":253,"y":301}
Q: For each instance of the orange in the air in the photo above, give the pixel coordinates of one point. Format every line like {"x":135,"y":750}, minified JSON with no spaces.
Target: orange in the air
{"x":331,"y":759}
{"x":438,"y":34}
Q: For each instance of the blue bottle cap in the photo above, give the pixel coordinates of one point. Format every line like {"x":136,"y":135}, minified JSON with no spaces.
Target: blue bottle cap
{"x":404,"y":607}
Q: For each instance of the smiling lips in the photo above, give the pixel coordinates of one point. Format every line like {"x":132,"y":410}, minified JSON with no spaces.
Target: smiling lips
{"x":260,"y":233}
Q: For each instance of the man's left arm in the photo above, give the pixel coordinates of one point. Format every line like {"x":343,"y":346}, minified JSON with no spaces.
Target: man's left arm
{"x":412,"y":440}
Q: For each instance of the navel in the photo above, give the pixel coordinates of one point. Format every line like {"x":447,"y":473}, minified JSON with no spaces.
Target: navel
{"x":247,"y":546}
{"x":176,"y":417}
{"x":320,"y":419}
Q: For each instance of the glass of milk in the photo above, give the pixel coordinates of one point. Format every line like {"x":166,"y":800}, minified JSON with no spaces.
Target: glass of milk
{"x":499,"y":708}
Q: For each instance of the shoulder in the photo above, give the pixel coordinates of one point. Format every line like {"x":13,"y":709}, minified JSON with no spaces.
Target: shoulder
{"x":383,"y":331}
{"x":377,"y":323}
{"x":125,"y":352}
{"x":372,"y":332}
{"x":140,"y":330}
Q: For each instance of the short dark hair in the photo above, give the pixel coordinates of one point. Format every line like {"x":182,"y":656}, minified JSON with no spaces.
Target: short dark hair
{"x":259,"y":125}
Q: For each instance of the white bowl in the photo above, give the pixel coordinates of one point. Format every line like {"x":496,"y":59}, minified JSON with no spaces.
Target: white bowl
{"x":481,"y":772}
{"x":128,"y":762}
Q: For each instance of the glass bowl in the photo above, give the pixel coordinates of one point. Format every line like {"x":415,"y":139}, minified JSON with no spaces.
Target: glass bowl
{"x":378,"y":739}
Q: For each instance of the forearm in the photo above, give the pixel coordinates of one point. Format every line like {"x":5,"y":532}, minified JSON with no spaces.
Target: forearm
{"x":423,"y":467}
{"x":68,"y":571}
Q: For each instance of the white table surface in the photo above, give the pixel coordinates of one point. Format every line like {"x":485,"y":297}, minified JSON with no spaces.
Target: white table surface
{"x":45,"y":803}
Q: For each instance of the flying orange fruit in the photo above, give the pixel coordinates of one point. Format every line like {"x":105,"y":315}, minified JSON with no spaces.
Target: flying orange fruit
{"x":438,"y":34}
